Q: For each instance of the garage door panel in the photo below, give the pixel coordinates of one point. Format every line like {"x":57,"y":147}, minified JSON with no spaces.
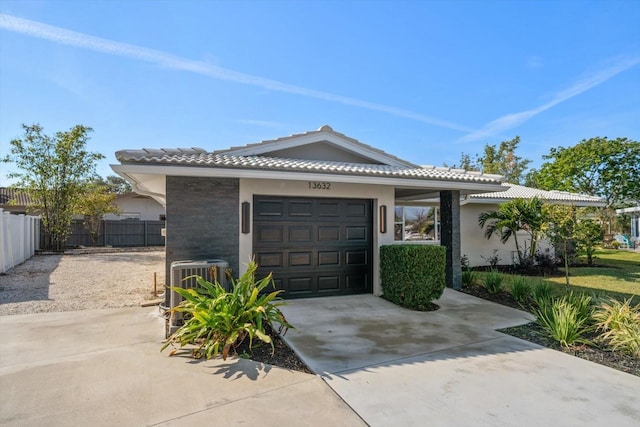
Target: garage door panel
{"x":356,"y":258}
{"x":302,"y":233}
{"x":300,"y":259}
{"x":328,"y":209}
{"x":300,"y":208}
{"x":357,"y":282}
{"x":314,"y":246}
{"x":329,"y":283}
{"x":301,"y":284}
{"x":269,"y":208}
{"x":357,"y":210}
{"x":356,"y":233}
{"x":270,"y":233}
{"x":328,"y":258}
{"x":269,"y":260}
{"x":328,"y":233}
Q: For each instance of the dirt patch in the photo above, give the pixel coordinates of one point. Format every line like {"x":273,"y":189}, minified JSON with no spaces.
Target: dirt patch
{"x":82,"y":280}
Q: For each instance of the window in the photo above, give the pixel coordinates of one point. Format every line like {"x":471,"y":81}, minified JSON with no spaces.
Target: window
{"x":413,"y":223}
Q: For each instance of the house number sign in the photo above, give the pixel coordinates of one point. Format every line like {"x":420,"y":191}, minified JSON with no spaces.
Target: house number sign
{"x":319,"y":185}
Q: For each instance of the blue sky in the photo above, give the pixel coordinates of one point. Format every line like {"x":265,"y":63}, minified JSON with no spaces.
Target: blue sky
{"x":422,"y":80}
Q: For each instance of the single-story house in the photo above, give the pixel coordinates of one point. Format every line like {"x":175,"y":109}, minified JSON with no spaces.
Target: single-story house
{"x":313,"y":208}
{"x":478,"y":248}
{"x":14,"y":201}
{"x":137,"y":206}
{"x":131,"y":205}
{"x":634,"y":213}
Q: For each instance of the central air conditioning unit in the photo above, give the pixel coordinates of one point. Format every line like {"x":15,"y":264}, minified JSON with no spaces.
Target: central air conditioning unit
{"x":181,"y":276}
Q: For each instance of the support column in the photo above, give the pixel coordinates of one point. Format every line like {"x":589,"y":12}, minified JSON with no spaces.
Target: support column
{"x":450,"y":236}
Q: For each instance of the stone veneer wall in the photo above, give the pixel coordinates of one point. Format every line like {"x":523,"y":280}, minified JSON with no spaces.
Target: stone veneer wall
{"x":202,"y":220}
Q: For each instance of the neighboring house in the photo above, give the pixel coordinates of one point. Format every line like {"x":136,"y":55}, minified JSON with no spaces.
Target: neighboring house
{"x":130,"y":205}
{"x":314,"y":208}
{"x":137,"y":206}
{"x":478,"y":248}
{"x":634,"y":213}
{"x":14,"y":201}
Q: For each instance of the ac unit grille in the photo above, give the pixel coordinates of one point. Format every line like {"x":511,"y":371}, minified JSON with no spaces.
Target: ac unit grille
{"x":181,"y":276}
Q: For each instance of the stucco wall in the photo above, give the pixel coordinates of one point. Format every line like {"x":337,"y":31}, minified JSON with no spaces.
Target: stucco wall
{"x":381,"y":195}
{"x":147,"y":208}
{"x":475,"y":246}
{"x":202,"y":220}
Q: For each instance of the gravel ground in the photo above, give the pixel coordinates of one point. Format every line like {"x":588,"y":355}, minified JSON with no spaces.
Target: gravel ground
{"x":80,"y":281}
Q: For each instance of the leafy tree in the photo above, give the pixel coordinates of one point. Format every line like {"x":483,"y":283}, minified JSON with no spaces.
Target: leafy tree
{"x":501,"y":160}
{"x":588,"y":236}
{"x":53,"y":171}
{"x":115,"y":184}
{"x":97,"y":201}
{"x":608,"y":168}
{"x":513,"y":216}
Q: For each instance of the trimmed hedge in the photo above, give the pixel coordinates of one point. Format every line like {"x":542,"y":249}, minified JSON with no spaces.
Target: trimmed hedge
{"x":412,"y":275}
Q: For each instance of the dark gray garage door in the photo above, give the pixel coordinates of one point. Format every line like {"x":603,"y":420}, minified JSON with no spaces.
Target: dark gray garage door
{"x":314,"y":247}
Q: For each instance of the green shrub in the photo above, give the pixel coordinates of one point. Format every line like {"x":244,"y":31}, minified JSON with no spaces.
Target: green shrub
{"x":522,"y":290}
{"x":619,"y":324}
{"x":493,"y":282}
{"x":562,"y":321}
{"x":218,"y":321}
{"x":584,"y":306}
{"x":412,"y":275}
{"x":469,"y":277}
{"x":541,"y":291}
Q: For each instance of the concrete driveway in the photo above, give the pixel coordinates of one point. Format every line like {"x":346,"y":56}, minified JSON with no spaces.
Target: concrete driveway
{"x":397,"y":367}
{"x":104,"y":368}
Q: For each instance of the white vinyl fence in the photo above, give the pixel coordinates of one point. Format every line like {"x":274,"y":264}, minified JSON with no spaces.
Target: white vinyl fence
{"x":19,"y":239}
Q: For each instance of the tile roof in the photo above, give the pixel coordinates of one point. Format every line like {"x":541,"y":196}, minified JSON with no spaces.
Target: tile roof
{"x":324,"y":129}
{"x":14,"y":196}
{"x":514,"y":191}
{"x":200,"y":158}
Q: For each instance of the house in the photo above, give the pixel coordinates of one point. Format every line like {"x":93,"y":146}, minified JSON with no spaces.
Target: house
{"x":634,"y":213}
{"x":136,"y":206}
{"x":313,"y":208}
{"x":130,"y":205}
{"x":478,"y":248}
{"x":14,"y":201}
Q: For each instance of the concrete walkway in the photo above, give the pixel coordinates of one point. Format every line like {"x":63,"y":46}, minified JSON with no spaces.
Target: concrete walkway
{"x":104,"y":368}
{"x":376,"y":362}
{"x":397,"y":367}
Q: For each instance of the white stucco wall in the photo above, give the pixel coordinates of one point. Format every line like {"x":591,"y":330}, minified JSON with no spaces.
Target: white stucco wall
{"x":381,"y":195}
{"x":475,"y":246}
{"x":147,"y":208}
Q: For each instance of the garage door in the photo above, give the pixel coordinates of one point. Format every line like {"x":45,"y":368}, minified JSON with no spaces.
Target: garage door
{"x":314,"y":247}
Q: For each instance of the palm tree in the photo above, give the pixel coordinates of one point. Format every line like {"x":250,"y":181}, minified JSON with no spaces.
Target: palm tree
{"x":513,"y":216}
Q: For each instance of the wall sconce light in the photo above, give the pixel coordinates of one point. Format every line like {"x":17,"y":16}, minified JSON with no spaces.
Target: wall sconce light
{"x":383,"y":218}
{"x":246,"y":217}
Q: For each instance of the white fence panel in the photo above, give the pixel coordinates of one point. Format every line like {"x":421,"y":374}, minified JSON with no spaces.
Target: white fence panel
{"x":19,"y":239}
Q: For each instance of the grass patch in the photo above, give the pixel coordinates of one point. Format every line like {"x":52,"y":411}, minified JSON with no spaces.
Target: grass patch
{"x":617,"y":275}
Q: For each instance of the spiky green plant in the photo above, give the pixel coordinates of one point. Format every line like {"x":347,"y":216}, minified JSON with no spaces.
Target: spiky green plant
{"x":493,"y":282}
{"x":562,"y":321}
{"x":619,"y":324}
{"x":521,"y":290}
{"x":469,"y":277}
{"x":218,"y":321}
{"x":541,"y":291}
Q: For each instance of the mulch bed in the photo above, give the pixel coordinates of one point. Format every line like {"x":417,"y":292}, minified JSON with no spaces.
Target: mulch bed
{"x":534,"y":333}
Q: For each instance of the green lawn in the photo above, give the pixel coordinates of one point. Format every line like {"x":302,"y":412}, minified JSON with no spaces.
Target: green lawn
{"x":617,"y":275}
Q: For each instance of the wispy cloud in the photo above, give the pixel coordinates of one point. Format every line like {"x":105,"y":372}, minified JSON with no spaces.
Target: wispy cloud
{"x":85,"y":41}
{"x":513,"y":120}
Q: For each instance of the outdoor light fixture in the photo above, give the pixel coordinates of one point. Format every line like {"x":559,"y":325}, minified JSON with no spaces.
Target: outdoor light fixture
{"x":383,"y":218}
{"x":246,"y":217}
